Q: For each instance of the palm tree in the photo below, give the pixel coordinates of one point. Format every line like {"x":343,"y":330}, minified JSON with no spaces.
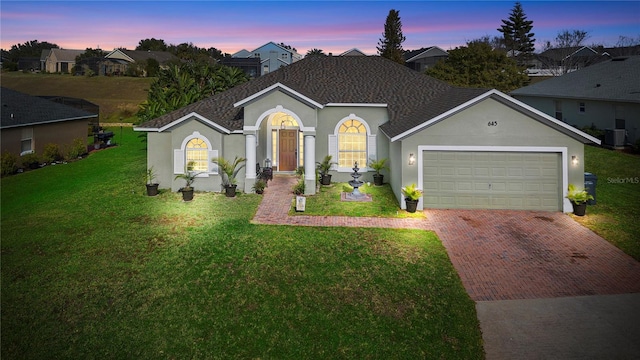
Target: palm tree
{"x":316,"y":52}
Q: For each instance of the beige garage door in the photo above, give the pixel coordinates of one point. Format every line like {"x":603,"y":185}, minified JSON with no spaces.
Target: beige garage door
{"x":492,"y":180}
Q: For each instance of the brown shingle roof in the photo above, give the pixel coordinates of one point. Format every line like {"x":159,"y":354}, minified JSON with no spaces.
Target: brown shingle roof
{"x":411,"y":97}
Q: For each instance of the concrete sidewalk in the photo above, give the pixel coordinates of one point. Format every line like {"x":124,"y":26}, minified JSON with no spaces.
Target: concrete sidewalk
{"x":582,"y":327}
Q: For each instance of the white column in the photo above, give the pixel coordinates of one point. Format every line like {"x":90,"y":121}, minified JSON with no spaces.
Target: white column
{"x":250,"y":155}
{"x":310,"y":164}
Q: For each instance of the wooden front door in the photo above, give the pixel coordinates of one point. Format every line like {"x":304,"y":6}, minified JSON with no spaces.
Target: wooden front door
{"x":288,"y":145}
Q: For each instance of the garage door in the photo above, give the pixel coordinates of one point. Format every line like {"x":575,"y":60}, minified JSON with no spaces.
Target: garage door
{"x":492,"y":180}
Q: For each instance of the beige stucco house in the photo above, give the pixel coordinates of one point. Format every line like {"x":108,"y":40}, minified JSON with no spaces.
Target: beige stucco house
{"x":467,"y":148}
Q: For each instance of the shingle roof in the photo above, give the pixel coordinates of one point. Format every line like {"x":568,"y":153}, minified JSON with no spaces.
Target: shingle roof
{"x":20,"y":109}
{"x":66,"y":55}
{"x":613,"y":80}
{"x":411,"y":97}
{"x":160,"y":56}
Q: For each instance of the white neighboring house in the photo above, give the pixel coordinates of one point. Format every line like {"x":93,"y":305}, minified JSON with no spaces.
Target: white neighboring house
{"x":272,"y":56}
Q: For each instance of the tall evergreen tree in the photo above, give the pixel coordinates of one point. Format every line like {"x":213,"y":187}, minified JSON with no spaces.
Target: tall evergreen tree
{"x":390,"y":46}
{"x":516,"y":31}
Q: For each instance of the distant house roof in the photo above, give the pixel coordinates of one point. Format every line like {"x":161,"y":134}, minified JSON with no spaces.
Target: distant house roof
{"x":245,"y":53}
{"x":613,"y":80}
{"x":559,"y":54}
{"x":412,"y":55}
{"x":63,"y":55}
{"x":161,"y":57}
{"x":20,"y":109}
{"x":411,"y":98}
{"x":353,"y":52}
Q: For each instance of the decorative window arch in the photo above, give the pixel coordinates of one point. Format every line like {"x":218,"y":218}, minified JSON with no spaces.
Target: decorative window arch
{"x":352,"y":141}
{"x":197,"y":149}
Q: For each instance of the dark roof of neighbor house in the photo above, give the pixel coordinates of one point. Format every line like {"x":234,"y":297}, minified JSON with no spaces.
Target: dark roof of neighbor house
{"x":410,"y":54}
{"x":20,"y":109}
{"x":613,"y":80}
{"x":64,"y":55}
{"x":411,"y":97}
{"x":161,"y":57}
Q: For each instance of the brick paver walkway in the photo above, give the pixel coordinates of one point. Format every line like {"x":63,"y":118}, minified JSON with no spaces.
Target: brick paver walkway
{"x":499,"y":254}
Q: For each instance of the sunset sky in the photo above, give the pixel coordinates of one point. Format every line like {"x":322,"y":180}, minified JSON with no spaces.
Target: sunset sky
{"x":328,"y":25}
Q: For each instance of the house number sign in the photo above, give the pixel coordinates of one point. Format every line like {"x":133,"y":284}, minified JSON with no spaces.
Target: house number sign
{"x":492,"y":123}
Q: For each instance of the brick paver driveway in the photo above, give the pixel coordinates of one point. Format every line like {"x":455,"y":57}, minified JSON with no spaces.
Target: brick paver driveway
{"x":505,"y":255}
{"x":499,"y":254}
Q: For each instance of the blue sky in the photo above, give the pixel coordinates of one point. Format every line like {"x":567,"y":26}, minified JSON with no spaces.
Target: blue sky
{"x":328,"y":25}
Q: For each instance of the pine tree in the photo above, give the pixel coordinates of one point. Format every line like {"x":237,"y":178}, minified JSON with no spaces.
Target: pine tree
{"x":516,"y":31}
{"x":390,"y":46}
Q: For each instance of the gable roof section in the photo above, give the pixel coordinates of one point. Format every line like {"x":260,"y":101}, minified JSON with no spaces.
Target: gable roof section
{"x":612,"y":80}
{"x":506,"y":100}
{"x":20,"y":109}
{"x":410,"y":96}
{"x":353,"y":52}
{"x":62,"y":55}
{"x":431,"y":51}
{"x":139,"y":55}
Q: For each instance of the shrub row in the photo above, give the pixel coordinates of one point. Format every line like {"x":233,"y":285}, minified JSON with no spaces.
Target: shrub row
{"x":11,"y":163}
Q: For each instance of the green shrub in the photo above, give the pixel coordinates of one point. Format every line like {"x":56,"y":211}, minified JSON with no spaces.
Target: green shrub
{"x":30,"y":161}
{"x":9,"y":163}
{"x":76,"y":149}
{"x":636,"y":146}
{"x":51,"y":153}
{"x":298,"y":188}
{"x":594,"y":131}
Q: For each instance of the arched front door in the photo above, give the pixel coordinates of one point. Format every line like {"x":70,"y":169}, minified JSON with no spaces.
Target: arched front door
{"x":286,"y":146}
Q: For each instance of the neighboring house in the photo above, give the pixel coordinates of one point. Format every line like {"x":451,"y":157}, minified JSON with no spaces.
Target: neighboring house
{"x":101,"y":66}
{"x":59,"y":60}
{"x":559,"y":61}
{"x":353,"y":52}
{"x":422,"y":59}
{"x":29,"y":64}
{"x":28,"y":123}
{"x":467,"y":148}
{"x":604,"y":96}
{"x":128,"y":58}
{"x":272,"y":56}
{"x":250,"y":66}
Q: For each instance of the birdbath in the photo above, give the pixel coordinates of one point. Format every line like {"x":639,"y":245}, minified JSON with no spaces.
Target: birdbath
{"x":355,"y":183}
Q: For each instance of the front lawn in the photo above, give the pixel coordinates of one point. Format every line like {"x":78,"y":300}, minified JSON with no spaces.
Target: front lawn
{"x":92,"y":268}
{"x":615,"y":216}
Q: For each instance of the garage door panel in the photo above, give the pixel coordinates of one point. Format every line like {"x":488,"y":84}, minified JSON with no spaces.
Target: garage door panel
{"x":492,"y":180}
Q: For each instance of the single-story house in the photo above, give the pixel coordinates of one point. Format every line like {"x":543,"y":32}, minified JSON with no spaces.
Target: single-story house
{"x":424,"y":58}
{"x":29,"y":123}
{"x":59,"y":60}
{"x":467,"y":148}
{"x":118,"y":60}
{"x":605,"y":96}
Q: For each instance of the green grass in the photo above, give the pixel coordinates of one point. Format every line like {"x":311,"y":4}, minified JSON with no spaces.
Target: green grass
{"x":615,"y":216}
{"x":92,"y":268}
{"x":326,"y":202}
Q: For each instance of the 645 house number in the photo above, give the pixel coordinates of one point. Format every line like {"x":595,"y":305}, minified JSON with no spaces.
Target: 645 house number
{"x":492,"y":123}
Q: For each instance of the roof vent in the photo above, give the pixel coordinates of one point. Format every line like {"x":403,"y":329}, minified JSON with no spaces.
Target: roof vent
{"x":598,"y":85}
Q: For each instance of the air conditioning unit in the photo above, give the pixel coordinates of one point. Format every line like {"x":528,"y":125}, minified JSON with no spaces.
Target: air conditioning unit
{"x":614,"y":137}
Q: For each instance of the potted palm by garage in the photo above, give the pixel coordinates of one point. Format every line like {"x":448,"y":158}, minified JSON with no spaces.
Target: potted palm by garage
{"x":152,"y":186}
{"x":578,"y":199}
{"x":377,"y":166}
{"x":228,"y":171}
{"x":323,"y":168}
{"x":189,"y":177}
{"x":411,"y":197}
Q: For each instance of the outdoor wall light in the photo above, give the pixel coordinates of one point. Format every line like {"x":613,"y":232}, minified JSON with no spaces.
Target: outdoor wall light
{"x":412,"y":159}
{"x":574,"y":160}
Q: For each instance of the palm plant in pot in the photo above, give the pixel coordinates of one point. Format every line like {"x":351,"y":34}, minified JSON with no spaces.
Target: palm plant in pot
{"x":578,"y":199}
{"x":259,"y":186}
{"x":228,"y":171}
{"x":411,"y":197}
{"x":152,"y":186}
{"x":323,"y":168}
{"x":189,"y":177}
{"x":377,"y":166}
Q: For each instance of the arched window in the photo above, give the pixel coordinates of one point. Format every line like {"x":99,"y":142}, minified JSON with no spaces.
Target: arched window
{"x":197,"y":153}
{"x":352,"y":141}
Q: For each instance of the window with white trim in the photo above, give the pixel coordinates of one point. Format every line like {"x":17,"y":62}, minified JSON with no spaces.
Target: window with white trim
{"x":195,"y":149}
{"x":351,"y":142}
{"x":26,"y":141}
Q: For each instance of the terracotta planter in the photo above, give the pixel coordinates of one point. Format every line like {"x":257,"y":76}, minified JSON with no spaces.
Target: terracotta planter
{"x":378,"y":179}
{"x":412,"y":205}
{"x":187,"y":195}
{"x":230,"y":190}
{"x":579,"y":209}
{"x":152,"y":189}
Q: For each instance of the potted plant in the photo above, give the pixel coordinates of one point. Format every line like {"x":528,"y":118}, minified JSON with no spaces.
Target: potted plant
{"x":323,"y":168}
{"x":189,"y":177}
{"x":377,"y":166}
{"x":259,"y":186}
{"x":152,"y":187}
{"x":228,"y":171}
{"x":578,"y":200}
{"x":411,"y":197}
